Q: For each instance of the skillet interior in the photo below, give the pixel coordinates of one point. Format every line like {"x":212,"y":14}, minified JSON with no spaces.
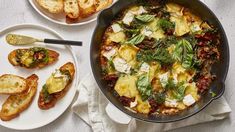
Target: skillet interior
{"x":220,"y":69}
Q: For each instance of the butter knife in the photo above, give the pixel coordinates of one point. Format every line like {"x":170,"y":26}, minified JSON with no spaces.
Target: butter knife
{"x":16,"y":39}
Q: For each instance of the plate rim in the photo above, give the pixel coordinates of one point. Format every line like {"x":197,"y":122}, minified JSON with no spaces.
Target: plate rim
{"x":62,"y":23}
{"x":77,"y":75}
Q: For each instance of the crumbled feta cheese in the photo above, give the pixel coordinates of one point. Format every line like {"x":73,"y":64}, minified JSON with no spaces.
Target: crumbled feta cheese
{"x":121,"y":65}
{"x":133,"y":104}
{"x":109,"y":54}
{"x":188,"y":100}
{"x":175,"y":78}
{"x":195,"y":27}
{"x":58,"y":74}
{"x":128,"y":18}
{"x":141,"y":10}
{"x":147,"y":32}
{"x":163,"y":78}
{"x":171,"y":103}
{"x":144,"y":67}
{"x":116,"y":28}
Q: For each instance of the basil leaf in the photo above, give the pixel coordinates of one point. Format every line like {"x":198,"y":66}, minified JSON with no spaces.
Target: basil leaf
{"x":145,"y":18}
{"x":144,"y":87}
{"x":184,"y":53}
{"x":159,"y":97}
{"x":136,"y":39}
{"x":188,"y":61}
{"x":179,"y":91}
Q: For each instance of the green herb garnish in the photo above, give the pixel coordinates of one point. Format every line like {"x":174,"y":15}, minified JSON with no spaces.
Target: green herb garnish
{"x":159,"y":97}
{"x":144,"y":86}
{"x":145,"y":18}
{"x":136,"y":39}
{"x":46,"y":95}
{"x":161,"y":55}
{"x":166,"y":25}
{"x":184,"y":53}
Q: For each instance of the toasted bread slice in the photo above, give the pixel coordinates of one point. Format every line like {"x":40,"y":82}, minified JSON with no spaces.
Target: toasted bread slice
{"x":87,"y":8}
{"x":15,"y":104}
{"x":46,"y":100}
{"x":71,"y":8}
{"x":52,"y":57}
{"x":12,"y":84}
{"x":53,"y":6}
{"x":101,"y":4}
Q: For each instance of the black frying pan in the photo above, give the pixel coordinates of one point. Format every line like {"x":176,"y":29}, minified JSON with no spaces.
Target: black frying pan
{"x":220,"y":69}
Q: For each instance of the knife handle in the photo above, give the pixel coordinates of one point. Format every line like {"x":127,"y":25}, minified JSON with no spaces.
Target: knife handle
{"x":63,"y":42}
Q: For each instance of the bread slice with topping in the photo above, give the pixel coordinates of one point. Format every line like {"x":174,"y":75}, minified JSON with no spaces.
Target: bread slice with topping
{"x":87,"y":8}
{"x":71,"y":8}
{"x":102,"y":4}
{"x":53,"y":6}
{"x":56,"y":86}
{"x":15,"y":104}
{"x":36,"y":57}
{"x":12,"y":84}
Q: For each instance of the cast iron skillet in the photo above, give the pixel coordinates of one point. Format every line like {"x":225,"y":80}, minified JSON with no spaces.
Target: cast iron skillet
{"x":220,"y":69}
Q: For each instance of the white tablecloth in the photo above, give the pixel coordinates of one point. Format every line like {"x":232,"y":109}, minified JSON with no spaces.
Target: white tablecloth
{"x":19,"y":11}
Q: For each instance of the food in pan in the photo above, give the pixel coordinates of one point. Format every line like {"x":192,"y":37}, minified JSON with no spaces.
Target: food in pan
{"x":15,"y":104}
{"x":156,"y":58}
{"x":75,"y":10}
{"x":12,"y":84}
{"x":36,"y":57}
{"x":56,"y":86}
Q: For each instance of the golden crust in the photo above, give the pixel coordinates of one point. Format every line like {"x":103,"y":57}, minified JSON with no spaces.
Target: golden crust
{"x":14,"y":90}
{"x":21,"y":101}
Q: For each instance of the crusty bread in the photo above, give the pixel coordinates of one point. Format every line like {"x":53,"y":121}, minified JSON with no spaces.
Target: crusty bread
{"x":53,"y":98}
{"x":53,"y":6}
{"x":71,"y":8}
{"x":87,"y":8}
{"x":15,"y":104}
{"x":101,"y":4}
{"x":53,"y":56}
{"x":12,"y":84}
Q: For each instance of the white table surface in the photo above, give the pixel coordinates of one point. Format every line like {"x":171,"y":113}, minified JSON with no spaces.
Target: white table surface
{"x":19,"y":11}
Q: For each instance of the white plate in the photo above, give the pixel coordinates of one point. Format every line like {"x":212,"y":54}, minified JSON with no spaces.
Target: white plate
{"x":33,"y":117}
{"x":60,"y":18}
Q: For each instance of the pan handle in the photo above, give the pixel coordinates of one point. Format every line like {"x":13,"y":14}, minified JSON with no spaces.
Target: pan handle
{"x":116,"y":115}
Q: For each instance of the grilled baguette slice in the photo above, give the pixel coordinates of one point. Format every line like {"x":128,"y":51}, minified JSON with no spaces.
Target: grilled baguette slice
{"x":52,"y":57}
{"x":71,"y":8}
{"x":87,"y":8}
{"x":53,"y":6}
{"x":46,"y":100}
{"x":101,"y":4}
{"x":12,"y":84}
{"x":15,"y":104}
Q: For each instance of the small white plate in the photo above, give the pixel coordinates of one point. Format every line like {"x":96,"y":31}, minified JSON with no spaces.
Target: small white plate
{"x":60,"y":18}
{"x":33,"y":117}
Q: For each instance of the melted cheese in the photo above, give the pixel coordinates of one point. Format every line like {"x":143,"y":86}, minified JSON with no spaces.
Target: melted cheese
{"x":117,"y":37}
{"x":56,"y":82}
{"x":181,"y":25}
{"x":126,"y":86}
